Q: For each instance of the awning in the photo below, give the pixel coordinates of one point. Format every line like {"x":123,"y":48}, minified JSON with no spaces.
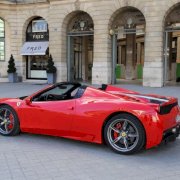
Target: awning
{"x":34,"y":48}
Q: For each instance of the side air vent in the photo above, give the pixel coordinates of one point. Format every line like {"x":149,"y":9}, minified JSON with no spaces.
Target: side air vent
{"x":167,"y":108}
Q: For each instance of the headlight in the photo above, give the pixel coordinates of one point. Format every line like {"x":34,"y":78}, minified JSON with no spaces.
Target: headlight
{"x":178,"y":118}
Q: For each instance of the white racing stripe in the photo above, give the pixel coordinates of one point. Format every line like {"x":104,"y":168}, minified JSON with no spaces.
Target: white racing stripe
{"x":141,"y":96}
{"x":150,"y":97}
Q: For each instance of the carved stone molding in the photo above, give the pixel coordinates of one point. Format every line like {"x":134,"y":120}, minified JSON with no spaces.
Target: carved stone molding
{"x":77,"y":5}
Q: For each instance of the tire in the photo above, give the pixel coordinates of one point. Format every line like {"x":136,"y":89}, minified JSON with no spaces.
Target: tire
{"x":9,"y":122}
{"x":124,"y":134}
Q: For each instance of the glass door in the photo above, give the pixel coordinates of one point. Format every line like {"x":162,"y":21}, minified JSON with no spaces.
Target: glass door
{"x":36,"y":67}
{"x":80,"y":57}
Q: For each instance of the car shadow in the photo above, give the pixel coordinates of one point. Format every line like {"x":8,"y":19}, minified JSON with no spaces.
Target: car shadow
{"x":158,"y":151}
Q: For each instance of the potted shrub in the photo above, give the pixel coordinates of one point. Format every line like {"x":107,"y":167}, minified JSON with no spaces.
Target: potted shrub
{"x":12,"y":76}
{"x":51,"y":71}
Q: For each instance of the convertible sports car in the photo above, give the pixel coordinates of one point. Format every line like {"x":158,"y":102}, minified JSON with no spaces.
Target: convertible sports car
{"x":125,"y":120}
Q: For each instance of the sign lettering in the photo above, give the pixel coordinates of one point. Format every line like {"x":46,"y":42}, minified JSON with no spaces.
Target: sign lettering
{"x":38,"y":36}
{"x":42,"y":36}
{"x":33,"y":48}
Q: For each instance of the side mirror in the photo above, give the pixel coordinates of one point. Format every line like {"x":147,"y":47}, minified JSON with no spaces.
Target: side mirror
{"x":28,"y":101}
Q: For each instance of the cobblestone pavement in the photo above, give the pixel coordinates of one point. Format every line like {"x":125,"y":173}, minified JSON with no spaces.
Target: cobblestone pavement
{"x":31,"y":157}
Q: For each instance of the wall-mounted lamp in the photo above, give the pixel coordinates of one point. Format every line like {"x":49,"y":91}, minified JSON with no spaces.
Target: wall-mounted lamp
{"x":111,"y":32}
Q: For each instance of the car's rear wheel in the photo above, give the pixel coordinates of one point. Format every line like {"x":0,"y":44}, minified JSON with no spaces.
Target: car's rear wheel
{"x":9,"y":122}
{"x":124,"y":134}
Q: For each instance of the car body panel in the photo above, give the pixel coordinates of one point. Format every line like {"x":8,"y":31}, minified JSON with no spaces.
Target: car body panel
{"x":49,"y":117}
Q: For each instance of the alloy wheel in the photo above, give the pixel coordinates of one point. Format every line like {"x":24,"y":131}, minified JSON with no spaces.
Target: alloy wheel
{"x":122,"y":135}
{"x":6,"y":121}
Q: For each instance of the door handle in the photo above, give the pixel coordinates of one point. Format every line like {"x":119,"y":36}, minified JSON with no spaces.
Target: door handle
{"x":71,"y":108}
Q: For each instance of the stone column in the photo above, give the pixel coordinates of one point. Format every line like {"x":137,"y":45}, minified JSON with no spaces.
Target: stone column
{"x":178,"y":50}
{"x":142,"y":53}
{"x":169,"y":63}
{"x":139,"y":53}
{"x":119,"y":54}
{"x":86,"y":59}
{"x":130,"y":55}
{"x":102,"y":62}
{"x":153,"y":63}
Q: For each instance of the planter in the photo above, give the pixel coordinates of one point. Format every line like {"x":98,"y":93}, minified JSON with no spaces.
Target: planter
{"x":12,"y":77}
{"x":51,"y":78}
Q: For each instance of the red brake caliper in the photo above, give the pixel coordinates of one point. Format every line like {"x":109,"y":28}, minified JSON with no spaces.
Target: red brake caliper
{"x":117,"y":126}
{"x":10,"y":126}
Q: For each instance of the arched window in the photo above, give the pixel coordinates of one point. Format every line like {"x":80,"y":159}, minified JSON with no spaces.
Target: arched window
{"x":2,"y":41}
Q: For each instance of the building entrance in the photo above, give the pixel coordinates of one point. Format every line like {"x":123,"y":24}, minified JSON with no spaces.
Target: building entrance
{"x":128,"y":37}
{"x":36,"y":49}
{"x":80,"y":57}
{"x":172,"y":47}
{"x":80,"y":40}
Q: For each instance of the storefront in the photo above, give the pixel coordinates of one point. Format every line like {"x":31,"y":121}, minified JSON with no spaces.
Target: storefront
{"x":96,"y":42}
{"x":36,"y":49}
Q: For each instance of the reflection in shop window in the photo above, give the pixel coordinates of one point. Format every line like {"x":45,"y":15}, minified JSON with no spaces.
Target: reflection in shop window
{"x":38,"y":63}
{"x":2,"y":41}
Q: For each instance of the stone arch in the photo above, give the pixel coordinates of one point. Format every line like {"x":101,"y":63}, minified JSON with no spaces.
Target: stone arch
{"x":171,"y":26}
{"x":121,"y":10}
{"x":128,"y":24}
{"x":169,"y":11}
{"x":67,"y":18}
{"x":77,"y":44}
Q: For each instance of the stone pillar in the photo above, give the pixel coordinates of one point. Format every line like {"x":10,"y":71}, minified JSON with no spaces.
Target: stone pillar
{"x":102,"y":62}
{"x":58,"y":42}
{"x":16,"y":36}
{"x":130,"y":55}
{"x":138,"y":53}
{"x":119,"y":54}
{"x":142,"y":53}
{"x":178,"y":50}
{"x":153,"y":75}
{"x":86,"y":58}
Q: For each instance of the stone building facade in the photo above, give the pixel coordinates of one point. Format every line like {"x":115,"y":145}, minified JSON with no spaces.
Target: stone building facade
{"x":89,"y":38}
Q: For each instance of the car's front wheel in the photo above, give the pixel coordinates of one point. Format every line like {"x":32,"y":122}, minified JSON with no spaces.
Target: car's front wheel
{"x":9,"y":122}
{"x":124,"y":134}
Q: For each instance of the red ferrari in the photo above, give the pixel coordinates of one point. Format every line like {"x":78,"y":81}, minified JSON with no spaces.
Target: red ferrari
{"x":125,"y":120}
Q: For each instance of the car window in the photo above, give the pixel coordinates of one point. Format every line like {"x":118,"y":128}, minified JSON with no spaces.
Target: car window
{"x":60,"y":92}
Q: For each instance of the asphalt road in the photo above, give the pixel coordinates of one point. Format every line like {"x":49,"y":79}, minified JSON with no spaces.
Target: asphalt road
{"x":31,"y":157}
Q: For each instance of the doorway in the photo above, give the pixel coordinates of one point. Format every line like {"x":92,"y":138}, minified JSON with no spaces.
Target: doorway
{"x":128,"y":39}
{"x":80,"y":61}
{"x":80,"y":43}
{"x":172,"y":46}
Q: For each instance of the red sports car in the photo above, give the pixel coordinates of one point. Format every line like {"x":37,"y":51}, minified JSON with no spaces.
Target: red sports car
{"x":125,"y":120}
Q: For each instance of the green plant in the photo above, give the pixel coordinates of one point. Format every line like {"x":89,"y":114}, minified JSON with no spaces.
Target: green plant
{"x":11,"y":65}
{"x":50,"y":66}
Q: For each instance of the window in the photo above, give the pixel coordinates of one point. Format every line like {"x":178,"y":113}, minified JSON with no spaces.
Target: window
{"x":2,"y":41}
{"x":60,"y":92}
{"x":39,"y":26}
